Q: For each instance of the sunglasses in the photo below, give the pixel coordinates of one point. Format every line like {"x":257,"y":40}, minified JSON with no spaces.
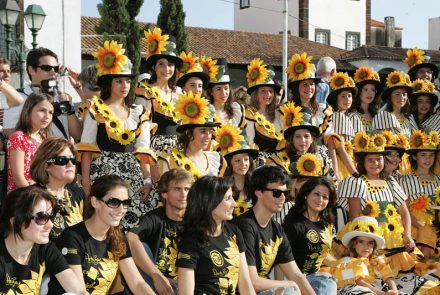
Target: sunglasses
{"x":48,"y":68}
{"x":61,"y":160}
{"x":277,"y":192}
{"x":114,"y":203}
{"x":41,"y":218}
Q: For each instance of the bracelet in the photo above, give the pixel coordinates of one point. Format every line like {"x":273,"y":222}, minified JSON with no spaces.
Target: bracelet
{"x":148,"y":181}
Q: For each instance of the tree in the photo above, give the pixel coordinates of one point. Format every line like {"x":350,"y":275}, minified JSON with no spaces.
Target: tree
{"x":118,"y":22}
{"x":171,"y":20}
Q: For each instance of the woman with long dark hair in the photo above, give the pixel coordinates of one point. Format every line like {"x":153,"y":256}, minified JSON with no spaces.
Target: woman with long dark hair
{"x":211,"y":258}
{"x":309,"y":228}
{"x":423,"y":102}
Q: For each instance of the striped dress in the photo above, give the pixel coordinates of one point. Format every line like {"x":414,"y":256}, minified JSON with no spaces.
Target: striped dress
{"x":359,"y":122}
{"x":432,"y":123}
{"x":385,"y":120}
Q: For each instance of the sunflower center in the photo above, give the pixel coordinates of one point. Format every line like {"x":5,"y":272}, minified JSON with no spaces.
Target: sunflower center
{"x":192,"y":110}
{"x":124,"y":136}
{"x":113,"y":124}
{"x":225,"y":141}
{"x":254,"y":74}
{"x":412,"y":60}
{"x":395,"y":79}
{"x":339,"y":82}
{"x":367,"y":210}
{"x":391,"y":227}
{"x":309,"y":165}
{"x":362,"y":142}
{"x":418,"y":141}
{"x":185,"y":67}
{"x":363,"y":75}
{"x":378,"y":141}
{"x":109,"y":59}
{"x":289,"y":119}
{"x":153,"y":45}
{"x":299,"y":67}
{"x":371,"y":228}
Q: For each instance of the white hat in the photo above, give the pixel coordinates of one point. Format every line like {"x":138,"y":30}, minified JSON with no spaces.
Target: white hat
{"x":144,"y":76}
{"x":364,"y":226}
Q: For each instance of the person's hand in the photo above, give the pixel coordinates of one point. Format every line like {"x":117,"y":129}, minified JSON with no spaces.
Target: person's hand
{"x":145,"y":192}
{"x":73,"y":78}
{"x":63,"y":96}
{"x":408,"y":243}
{"x":392,"y":292}
{"x":162,"y":284}
{"x":155,"y":175}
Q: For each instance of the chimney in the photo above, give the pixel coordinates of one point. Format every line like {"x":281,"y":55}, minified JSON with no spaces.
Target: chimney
{"x":389,"y":31}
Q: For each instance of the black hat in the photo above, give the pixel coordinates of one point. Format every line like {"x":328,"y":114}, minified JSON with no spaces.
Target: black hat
{"x":161,"y":46}
{"x":260,"y":75}
{"x":222,"y":76}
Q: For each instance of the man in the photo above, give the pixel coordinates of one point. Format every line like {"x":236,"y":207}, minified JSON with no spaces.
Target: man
{"x":42,"y":64}
{"x":158,"y":230}
{"x":266,"y":244}
{"x":325,"y":69}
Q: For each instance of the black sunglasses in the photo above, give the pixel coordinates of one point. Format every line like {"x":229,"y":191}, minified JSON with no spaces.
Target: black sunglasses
{"x":114,"y":203}
{"x":41,"y":218}
{"x":61,"y":160}
{"x":48,"y":68}
{"x":277,"y":192}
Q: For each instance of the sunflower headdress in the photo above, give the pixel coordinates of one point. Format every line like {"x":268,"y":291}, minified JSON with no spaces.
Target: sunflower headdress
{"x":340,"y":82}
{"x":416,"y":59}
{"x":209,"y":67}
{"x":260,"y":74}
{"x":160,"y":46}
{"x":231,"y":141}
{"x":217,"y":70}
{"x":307,"y":166}
{"x":363,"y":143}
{"x":300,"y":68}
{"x":364,"y":226}
{"x":396,"y":80}
{"x":423,"y":141}
{"x":397,"y":142}
{"x":366,"y":75}
{"x":191,"y":68}
{"x":193,"y":110}
{"x":423,"y":88}
{"x":294,"y":118}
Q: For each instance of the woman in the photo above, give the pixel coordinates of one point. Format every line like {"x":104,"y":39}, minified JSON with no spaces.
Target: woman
{"x":366,"y":102}
{"x":191,"y":76}
{"x":33,"y":127}
{"x":25,"y":251}
{"x":211,"y":258}
{"x":240,"y":159}
{"x":54,"y":169}
{"x":116,"y":136}
{"x":160,"y":94}
{"x":264,"y":125}
{"x":95,"y":249}
{"x":420,"y":187}
{"x":419,"y":66}
{"x":312,"y":213}
{"x":423,"y":101}
{"x":302,"y":84}
{"x":396,"y":146}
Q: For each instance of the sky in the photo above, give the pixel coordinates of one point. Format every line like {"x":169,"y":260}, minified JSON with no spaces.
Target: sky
{"x":410,"y":15}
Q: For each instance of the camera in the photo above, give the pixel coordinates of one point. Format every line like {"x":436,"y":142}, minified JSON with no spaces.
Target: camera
{"x":60,"y":107}
{"x":49,"y":86}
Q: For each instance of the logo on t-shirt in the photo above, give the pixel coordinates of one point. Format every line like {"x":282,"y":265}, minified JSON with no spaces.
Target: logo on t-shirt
{"x":216,"y":258}
{"x":313,"y":236}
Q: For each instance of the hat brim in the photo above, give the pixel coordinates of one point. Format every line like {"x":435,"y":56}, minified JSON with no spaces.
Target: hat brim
{"x":433,"y":96}
{"x":400,"y":150}
{"x":380,"y":241}
{"x":292,"y":84}
{"x":415,"y":151}
{"x":151,"y":61}
{"x":290,"y":130}
{"x":377,"y":84}
{"x":102,"y":80}
{"x":413,"y":71}
{"x":332,"y":97}
{"x":253,"y":153}
{"x":202,"y":75}
{"x":361,"y":154}
{"x":387,"y":92}
{"x":184,"y":127}
{"x":212,"y":84}
{"x":276,"y":87}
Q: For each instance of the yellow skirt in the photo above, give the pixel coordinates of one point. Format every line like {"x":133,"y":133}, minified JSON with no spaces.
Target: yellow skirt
{"x":426,"y":236}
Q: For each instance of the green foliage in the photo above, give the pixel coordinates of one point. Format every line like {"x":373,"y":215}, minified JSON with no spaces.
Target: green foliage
{"x":171,"y":20}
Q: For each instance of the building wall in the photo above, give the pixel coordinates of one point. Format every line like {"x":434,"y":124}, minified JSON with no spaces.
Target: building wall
{"x":433,"y":33}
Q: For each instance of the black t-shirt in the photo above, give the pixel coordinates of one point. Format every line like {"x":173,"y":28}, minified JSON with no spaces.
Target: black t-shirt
{"x":265,"y":247}
{"x":160,"y":233}
{"x":98,"y":266}
{"x":310,"y":241}
{"x":16,"y":278}
{"x":216,"y":264}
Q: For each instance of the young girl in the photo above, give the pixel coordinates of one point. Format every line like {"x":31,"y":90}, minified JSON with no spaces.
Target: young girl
{"x":95,"y":249}
{"x":357,"y":274}
{"x":423,"y":101}
{"x":211,"y":258}
{"x":32,"y":128}
{"x":191,"y":75}
{"x":419,"y":66}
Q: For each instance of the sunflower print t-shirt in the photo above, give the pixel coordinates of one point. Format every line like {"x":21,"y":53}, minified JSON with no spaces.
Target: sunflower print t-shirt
{"x":16,"y":278}
{"x":216,"y":264}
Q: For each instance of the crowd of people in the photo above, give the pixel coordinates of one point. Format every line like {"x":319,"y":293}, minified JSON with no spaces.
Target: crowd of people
{"x":172,"y":182}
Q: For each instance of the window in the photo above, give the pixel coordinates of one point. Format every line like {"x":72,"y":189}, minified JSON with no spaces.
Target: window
{"x":352,"y":40}
{"x":245,"y":4}
{"x":322,"y":36}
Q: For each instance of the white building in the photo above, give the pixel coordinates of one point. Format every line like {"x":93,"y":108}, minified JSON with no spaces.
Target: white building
{"x":433,"y":33}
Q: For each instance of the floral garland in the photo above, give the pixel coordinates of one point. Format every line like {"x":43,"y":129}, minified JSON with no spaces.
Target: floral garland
{"x":372,"y":188}
{"x":285,"y":160}
{"x":185,"y":163}
{"x":268,"y":126}
{"x":166,"y":107}
{"x":421,"y":209}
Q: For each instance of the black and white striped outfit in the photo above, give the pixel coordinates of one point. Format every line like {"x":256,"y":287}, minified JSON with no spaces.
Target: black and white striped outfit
{"x":280,"y":216}
{"x":359,"y":123}
{"x":342,"y":125}
{"x":385,"y":120}
{"x":432,"y":123}
{"x":414,"y":187}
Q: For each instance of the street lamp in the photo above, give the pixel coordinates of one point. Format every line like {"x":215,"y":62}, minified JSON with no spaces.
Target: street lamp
{"x":34,"y":16}
{"x":9,"y":12}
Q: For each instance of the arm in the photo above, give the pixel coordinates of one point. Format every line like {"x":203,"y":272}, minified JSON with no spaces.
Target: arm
{"x":363,"y":283}
{"x":392,"y":285}
{"x":72,"y":280}
{"x":244,"y":280}
{"x":143,"y":261}
{"x":185,"y":281}
{"x":13,"y":97}
{"x":17,"y":167}
{"x":293,"y":273}
{"x":406,"y":223}
{"x":133,"y":278}
{"x":328,"y":260}
{"x":354,"y":208}
{"x":74,"y":126}
{"x":261,"y":283}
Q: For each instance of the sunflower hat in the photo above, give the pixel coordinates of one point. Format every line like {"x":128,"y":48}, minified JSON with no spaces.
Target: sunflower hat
{"x":193,"y":110}
{"x":421,"y":140}
{"x":366,"y":75}
{"x":423,"y":88}
{"x":260,"y":74}
{"x":416,"y":59}
{"x":294,"y":118}
{"x":300,"y":68}
{"x":306,"y":166}
{"x":160,"y":46}
{"x":111,"y":62}
{"x":232,"y":142}
{"x":217,"y":70}
{"x":363,"y":143}
{"x":191,"y":68}
{"x":395,"y":142}
{"x":396,"y":80}
{"x":340,"y":82}
{"x":364,"y":226}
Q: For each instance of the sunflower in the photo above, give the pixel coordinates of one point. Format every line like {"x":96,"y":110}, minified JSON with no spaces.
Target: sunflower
{"x":407,"y":80}
{"x":209,"y":67}
{"x":418,"y":85}
{"x":292,"y":115}
{"x":371,"y":209}
{"x":365,"y":226}
{"x":229,"y":138}
{"x":389,"y":136}
{"x":414,"y":57}
{"x":363,"y":73}
{"x":185,"y":163}
{"x":418,"y":140}
{"x":189,"y":63}
{"x":111,"y":58}
{"x":113,"y":124}
{"x":300,"y":67}
{"x":339,"y":80}
{"x":401,"y":140}
{"x":390,"y":212}
{"x":378,"y":141}
{"x":420,"y":208}
{"x":394,"y":226}
{"x":309,"y":165}
{"x":395,"y":78}
{"x":125,"y":136}
{"x":156,"y":41}
{"x":257,"y":72}
{"x":437,"y":196}
{"x":360,"y":141}
{"x":193,"y":109}
{"x":434,"y":138}
{"x":430,"y":87}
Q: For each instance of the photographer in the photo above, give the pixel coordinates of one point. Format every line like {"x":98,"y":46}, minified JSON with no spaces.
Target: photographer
{"x":43,"y":68}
